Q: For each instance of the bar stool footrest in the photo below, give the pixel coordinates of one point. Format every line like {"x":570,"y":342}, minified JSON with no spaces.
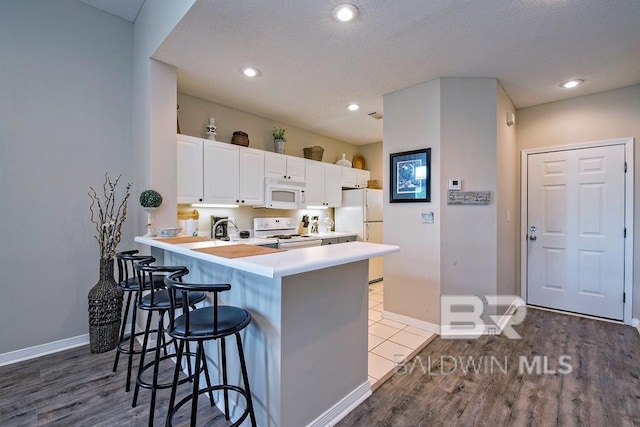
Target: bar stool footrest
{"x":188,"y":398}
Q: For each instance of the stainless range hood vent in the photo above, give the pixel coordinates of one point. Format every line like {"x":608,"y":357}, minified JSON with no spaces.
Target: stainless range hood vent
{"x":375,"y":115}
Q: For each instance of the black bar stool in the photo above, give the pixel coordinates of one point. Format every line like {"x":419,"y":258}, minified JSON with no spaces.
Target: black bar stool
{"x":128,"y":282}
{"x":157,"y":301}
{"x":200,"y":325}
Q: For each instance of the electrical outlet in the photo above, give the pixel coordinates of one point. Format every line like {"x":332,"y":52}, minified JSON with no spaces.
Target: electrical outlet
{"x":426,"y":218}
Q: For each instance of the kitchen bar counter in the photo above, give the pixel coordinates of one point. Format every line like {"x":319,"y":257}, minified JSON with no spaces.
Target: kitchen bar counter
{"x":306,"y":347}
{"x":279,"y":264}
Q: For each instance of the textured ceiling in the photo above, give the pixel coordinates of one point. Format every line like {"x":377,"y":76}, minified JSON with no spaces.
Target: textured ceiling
{"x":312,"y":66}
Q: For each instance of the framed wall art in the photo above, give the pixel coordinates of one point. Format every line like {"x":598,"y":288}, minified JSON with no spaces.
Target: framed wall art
{"x":410,"y":176}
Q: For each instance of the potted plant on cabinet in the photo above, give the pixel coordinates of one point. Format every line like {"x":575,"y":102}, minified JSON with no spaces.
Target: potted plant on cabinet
{"x":279,"y":139}
{"x":150,"y":200}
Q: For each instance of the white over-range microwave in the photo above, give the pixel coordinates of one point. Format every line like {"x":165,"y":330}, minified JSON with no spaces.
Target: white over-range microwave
{"x":280,"y":194}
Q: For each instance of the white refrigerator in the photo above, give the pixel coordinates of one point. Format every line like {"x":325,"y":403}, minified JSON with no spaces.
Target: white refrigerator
{"x":361,"y":212}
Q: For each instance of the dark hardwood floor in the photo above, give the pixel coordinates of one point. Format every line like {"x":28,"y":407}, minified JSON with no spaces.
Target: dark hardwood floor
{"x":602,"y":389}
{"x":438,"y":387}
{"x":77,"y":388}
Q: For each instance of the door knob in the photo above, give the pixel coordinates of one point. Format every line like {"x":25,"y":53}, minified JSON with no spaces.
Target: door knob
{"x":533,"y":238}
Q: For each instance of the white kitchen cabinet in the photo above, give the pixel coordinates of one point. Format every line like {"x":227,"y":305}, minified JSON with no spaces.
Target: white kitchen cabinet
{"x":232,"y":174}
{"x":281,"y":166}
{"x":251,"y":180}
{"x":323,"y":184}
{"x":189,"y":156}
{"x":362,"y":177}
{"x":221,"y":173}
{"x":354,"y":178}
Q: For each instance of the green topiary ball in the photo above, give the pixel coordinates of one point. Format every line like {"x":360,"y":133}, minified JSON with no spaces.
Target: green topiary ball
{"x":150,"y":199}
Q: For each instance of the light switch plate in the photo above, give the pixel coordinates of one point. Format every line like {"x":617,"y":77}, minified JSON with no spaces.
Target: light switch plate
{"x":427,"y":218}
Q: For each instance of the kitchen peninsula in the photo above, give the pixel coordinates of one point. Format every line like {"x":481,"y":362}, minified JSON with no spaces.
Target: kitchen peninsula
{"x":306,"y":348}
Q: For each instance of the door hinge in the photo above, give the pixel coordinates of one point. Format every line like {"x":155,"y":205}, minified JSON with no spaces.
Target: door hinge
{"x":624,"y":297}
{"x":625,"y":167}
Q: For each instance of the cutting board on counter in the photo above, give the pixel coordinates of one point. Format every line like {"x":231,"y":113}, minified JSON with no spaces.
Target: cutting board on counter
{"x":238,"y":251}
{"x":187,"y":239}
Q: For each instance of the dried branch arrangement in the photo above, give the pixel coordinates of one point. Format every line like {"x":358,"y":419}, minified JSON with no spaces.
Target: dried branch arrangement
{"x":108,"y":216}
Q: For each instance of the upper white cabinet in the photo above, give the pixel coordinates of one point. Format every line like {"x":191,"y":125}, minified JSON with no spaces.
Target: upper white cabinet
{"x":323,"y":184}
{"x":219,"y":173}
{"x":354,"y":178}
{"x":190,"y":163}
{"x":233,"y":174}
{"x":251,"y":182}
{"x":281,"y":166}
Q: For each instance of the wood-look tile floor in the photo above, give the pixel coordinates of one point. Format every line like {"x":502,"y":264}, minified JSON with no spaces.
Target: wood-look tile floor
{"x":77,"y":388}
{"x":440,"y":387}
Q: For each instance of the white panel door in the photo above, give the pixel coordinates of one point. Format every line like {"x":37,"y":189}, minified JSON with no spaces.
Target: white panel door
{"x":575,"y":248}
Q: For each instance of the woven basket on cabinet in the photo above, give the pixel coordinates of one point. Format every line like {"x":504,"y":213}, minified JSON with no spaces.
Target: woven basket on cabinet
{"x":240,"y":138}
{"x":313,"y":153}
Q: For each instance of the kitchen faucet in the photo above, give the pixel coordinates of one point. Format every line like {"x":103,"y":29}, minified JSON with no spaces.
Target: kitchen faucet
{"x":229,"y":221}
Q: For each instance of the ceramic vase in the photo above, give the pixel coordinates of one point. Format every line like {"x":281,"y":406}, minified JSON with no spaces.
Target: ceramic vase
{"x":105,"y":310}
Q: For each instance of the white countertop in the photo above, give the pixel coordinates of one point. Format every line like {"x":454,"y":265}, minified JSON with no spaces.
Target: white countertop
{"x":280,"y":264}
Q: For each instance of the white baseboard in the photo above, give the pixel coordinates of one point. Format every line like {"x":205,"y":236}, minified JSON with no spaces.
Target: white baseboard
{"x":338,"y":411}
{"x":431,"y":327}
{"x":43,"y":349}
{"x":48,"y":348}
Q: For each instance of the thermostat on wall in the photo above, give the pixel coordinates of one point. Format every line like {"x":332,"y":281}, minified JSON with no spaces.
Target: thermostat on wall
{"x":455,"y":184}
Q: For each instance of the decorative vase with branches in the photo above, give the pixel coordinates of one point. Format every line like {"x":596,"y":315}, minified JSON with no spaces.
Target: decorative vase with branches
{"x":105,"y":298}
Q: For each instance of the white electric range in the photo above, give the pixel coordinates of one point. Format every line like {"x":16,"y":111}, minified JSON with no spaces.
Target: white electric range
{"x":285,"y":231}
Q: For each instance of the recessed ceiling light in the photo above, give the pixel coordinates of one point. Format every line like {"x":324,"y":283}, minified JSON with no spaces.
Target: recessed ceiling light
{"x":250,"y":71}
{"x":572,"y":83}
{"x":353,"y":107}
{"x":345,"y":12}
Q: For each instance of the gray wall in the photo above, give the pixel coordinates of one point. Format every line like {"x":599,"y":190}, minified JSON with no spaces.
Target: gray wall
{"x":468,"y":144}
{"x":607,"y":115}
{"x":469,"y":249}
{"x":65,"y":120}
{"x":412,"y":278}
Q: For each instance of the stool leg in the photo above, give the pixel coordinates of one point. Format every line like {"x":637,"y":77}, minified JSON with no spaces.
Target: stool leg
{"x":145,"y":341}
{"x":132,"y":337}
{"x":243,"y":366}
{"x":207,"y":377}
{"x":224,"y":378}
{"x":196,"y":385}
{"x":176,"y":375}
{"x":156,"y":367}
{"x":122,"y":328}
